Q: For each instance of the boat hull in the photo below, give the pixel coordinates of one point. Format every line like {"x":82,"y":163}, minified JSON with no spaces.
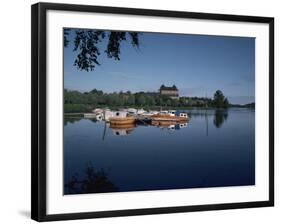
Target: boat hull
{"x":122,"y":120}
{"x":168,"y":118}
{"x":167,"y":123}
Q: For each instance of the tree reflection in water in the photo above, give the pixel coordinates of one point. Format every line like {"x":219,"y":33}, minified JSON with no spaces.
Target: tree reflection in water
{"x":220,"y":117}
{"x":71,"y":120}
{"x":94,"y":181}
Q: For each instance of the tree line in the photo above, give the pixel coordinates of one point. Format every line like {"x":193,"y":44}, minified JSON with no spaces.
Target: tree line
{"x":75,"y":101}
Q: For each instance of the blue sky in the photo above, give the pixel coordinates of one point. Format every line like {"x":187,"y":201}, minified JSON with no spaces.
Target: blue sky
{"x":197,"y":64}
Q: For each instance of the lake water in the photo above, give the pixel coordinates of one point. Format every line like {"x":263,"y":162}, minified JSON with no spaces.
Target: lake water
{"x":215,"y":148}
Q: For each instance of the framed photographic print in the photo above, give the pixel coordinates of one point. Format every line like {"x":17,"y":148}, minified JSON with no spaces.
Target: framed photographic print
{"x":139,"y":111}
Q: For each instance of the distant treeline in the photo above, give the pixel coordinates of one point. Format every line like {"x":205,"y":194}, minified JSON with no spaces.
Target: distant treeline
{"x":75,"y":101}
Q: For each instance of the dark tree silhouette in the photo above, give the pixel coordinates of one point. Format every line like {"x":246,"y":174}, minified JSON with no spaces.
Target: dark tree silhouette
{"x":94,"y":181}
{"x":220,"y":101}
{"x":86,"y":44}
{"x":65,"y":34}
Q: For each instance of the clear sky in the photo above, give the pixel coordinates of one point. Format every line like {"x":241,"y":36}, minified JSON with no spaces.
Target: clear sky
{"x":197,"y":64}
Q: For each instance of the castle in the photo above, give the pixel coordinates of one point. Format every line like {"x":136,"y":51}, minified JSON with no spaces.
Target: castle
{"x":171,"y":92}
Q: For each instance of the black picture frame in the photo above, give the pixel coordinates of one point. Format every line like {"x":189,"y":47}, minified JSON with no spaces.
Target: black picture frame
{"x":38,"y":108}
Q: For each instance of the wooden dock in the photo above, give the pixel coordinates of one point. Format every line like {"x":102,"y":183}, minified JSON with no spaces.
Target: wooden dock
{"x":90,"y":115}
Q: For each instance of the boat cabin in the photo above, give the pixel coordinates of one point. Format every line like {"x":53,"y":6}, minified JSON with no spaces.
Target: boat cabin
{"x":109,"y":114}
{"x":172,"y":112}
{"x":132,"y":110}
{"x":140,"y":111}
{"x":183,"y":115}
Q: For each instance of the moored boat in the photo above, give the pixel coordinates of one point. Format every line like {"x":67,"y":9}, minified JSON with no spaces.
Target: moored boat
{"x":132,"y":110}
{"x":108,"y":114}
{"x":122,"y":120}
{"x":149,"y":113}
{"x":140,"y":111}
{"x":169,"y":117}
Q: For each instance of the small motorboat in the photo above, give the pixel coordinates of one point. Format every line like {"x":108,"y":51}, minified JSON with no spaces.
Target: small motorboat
{"x":169,"y":117}
{"x":149,"y":113}
{"x":122,"y":120}
{"x":114,"y":114}
{"x":140,"y":111}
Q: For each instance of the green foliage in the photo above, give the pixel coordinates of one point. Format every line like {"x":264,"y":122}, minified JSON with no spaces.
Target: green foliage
{"x":141,"y":100}
{"x":77,"y":108}
{"x":220,"y":101}
{"x":76,"y":101}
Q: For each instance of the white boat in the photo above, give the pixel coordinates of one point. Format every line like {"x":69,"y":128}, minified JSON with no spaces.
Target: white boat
{"x":99,"y":117}
{"x":140,"y":111}
{"x":111,"y":114}
{"x":184,"y":115}
{"x":132,"y":110}
{"x":150,"y":113}
{"x":170,"y":117}
{"x":168,"y":112}
{"x":97,"y":111}
{"x":163,"y":112}
{"x":172,"y":113}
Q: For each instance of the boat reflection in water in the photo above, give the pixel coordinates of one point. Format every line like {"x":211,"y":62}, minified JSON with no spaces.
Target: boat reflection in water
{"x":127,"y":129}
{"x":170,"y":125}
{"x":122,"y":129}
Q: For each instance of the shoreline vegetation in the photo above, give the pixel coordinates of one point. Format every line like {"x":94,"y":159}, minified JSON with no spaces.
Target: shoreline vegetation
{"x":76,"y":102}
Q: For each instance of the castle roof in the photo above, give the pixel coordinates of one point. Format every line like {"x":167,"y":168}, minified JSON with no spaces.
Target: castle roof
{"x":163,"y":87}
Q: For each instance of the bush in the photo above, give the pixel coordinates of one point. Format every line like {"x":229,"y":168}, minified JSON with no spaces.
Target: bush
{"x":77,"y":108}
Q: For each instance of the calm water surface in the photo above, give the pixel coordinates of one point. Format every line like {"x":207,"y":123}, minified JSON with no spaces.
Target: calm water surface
{"x":214,"y":149}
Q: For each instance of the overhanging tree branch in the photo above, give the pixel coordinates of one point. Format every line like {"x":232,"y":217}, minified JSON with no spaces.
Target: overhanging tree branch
{"x":86,"y":43}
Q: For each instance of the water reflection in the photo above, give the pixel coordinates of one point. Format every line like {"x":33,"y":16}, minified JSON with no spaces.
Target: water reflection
{"x":71,"y":120}
{"x":215,"y":148}
{"x":122,"y":129}
{"x":220,"y":117}
{"x":169,"y":125}
{"x":92,"y":181}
